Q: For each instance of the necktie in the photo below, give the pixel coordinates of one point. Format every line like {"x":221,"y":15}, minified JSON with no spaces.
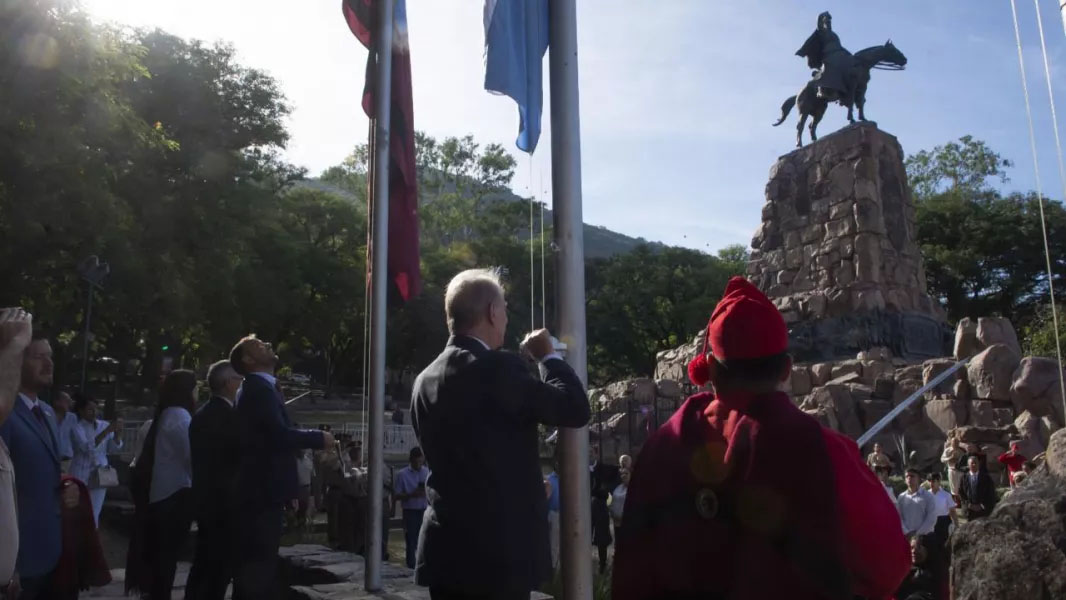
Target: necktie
{"x":37,"y":412}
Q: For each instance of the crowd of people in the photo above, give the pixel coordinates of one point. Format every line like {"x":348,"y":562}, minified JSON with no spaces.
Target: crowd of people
{"x":230,"y":465}
{"x":706,"y":510}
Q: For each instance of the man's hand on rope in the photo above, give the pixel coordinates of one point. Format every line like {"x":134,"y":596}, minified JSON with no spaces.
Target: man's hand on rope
{"x":538,"y":344}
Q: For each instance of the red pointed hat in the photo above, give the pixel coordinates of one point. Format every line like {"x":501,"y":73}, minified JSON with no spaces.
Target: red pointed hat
{"x":744,"y":325}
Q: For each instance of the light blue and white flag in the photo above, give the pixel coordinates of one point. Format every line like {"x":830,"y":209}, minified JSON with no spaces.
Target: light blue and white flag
{"x":516,"y":37}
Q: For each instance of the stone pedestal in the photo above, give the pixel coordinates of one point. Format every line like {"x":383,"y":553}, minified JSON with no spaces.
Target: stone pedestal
{"x":836,"y":251}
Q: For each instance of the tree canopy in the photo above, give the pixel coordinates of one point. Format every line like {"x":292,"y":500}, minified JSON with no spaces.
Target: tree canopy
{"x":161,"y":156}
{"x":983,"y":249}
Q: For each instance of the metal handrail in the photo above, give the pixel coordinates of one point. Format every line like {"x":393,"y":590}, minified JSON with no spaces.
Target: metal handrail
{"x":902,"y":406}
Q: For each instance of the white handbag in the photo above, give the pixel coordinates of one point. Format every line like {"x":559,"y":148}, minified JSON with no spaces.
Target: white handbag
{"x":103,"y":477}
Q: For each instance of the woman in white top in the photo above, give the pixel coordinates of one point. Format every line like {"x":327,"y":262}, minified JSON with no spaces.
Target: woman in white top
{"x":618,"y":497}
{"x":91,"y":440}
{"x":160,"y":486}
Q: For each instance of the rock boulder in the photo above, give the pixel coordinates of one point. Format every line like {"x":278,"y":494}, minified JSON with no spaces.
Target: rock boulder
{"x":1018,"y":552}
{"x":992,"y":371}
{"x":997,"y":330}
{"x":1035,"y":387}
{"x":966,"y":343}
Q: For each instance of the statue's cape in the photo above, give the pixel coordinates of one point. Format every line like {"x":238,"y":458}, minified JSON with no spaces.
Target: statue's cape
{"x":812,"y":49}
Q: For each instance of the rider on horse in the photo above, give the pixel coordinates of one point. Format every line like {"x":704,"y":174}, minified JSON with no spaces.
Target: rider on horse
{"x":823,"y":49}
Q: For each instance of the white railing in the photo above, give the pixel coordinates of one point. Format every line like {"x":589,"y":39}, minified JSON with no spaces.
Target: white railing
{"x":399,"y":439}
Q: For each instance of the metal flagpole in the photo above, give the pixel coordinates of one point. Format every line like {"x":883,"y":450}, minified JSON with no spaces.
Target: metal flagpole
{"x":379,"y":281}
{"x":576,"y":535}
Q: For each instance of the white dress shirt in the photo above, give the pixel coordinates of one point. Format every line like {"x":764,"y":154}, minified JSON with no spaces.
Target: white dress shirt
{"x":172,"y":470}
{"x":918,"y":511}
{"x":87,"y":453}
{"x":944,"y":503}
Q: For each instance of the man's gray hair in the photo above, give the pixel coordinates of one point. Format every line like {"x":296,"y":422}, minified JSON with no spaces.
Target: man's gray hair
{"x":469,"y":296}
{"x":218,"y":373}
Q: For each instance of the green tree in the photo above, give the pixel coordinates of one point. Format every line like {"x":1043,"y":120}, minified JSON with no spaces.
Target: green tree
{"x":983,"y":251}
{"x":649,"y":300}
{"x":1038,"y":335}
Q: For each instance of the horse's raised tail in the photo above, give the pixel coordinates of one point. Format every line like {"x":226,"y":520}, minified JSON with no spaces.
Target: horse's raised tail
{"x":785,"y":109}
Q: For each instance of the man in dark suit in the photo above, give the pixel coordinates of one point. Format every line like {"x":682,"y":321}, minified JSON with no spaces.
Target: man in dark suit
{"x":266,"y":472}
{"x":476,"y":411}
{"x":214,"y":440}
{"x":30,"y":435}
{"x":977,"y":490}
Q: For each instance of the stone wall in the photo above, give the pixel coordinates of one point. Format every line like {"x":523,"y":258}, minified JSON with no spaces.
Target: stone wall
{"x":1000,"y":396}
{"x":1019,"y":551}
{"x":836,"y":250}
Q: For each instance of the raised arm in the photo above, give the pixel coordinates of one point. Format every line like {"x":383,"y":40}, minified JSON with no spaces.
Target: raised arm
{"x":16,"y":329}
{"x":559,"y":399}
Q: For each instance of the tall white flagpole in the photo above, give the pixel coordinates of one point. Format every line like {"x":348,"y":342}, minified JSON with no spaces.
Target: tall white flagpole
{"x":576,"y":536}
{"x":379,"y":296}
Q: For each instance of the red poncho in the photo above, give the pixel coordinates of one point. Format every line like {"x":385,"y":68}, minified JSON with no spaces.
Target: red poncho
{"x":82,"y":562}
{"x":750,"y":498}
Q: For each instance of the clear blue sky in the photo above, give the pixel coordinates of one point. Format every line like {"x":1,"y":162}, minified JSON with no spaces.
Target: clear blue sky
{"x":677,"y":96}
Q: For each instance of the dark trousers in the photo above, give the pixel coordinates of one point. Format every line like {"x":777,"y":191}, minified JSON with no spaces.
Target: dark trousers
{"x":168,"y":522}
{"x":212,"y":568}
{"x":940,"y":530}
{"x":34,"y":588}
{"x":436,"y":593}
{"x":258,"y":535}
{"x":412,"y":524}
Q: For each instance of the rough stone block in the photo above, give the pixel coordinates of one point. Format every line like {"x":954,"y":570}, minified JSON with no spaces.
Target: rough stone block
{"x":838,"y":302}
{"x":1001,"y":417}
{"x":873,"y":410}
{"x":992,"y":371}
{"x":1035,"y":387}
{"x":998,"y":330}
{"x":868,"y":217}
{"x":936,"y":366}
{"x":644,"y":390}
{"x":841,"y":181}
{"x":914,"y":413}
{"x":884,"y":387}
{"x":981,"y":414}
{"x":841,"y":210}
{"x":867,"y":300}
{"x":966,"y":343}
{"x":866,"y":189}
{"x":840,"y":227}
{"x":946,"y":414}
{"x":816,"y":305}
{"x":846,"y":378}
{"x":873,"y":369}
{"x":868,"y":257}
{"x":801,"y":381}
{"x":846,"y":367}
{"x":821,"y":373}
{"x":844,"y":273}
{"x":668,"y":388}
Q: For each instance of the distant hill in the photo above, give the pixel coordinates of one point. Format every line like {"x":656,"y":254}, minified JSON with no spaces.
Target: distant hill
{"x":600,"y":242}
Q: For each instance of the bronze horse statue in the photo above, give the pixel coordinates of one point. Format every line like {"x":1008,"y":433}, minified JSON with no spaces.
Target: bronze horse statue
{"x":809,"y":103}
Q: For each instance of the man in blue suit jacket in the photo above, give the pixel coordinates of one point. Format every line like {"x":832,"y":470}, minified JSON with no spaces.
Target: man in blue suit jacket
{"x":266,"y":472}
{"x":31,"y":437}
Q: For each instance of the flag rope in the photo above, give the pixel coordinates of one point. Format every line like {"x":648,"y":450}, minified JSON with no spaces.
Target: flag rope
{"x":1036,"y":170}
{"x":543,"y":286}
{"x":532,"y":282}
{"x":367,"y":296}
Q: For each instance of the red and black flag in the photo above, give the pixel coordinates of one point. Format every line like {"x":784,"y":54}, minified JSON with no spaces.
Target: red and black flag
{"x":403,"y":180}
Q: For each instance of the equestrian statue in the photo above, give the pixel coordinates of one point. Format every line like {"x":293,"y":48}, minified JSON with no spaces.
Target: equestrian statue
{"x":839,"y":76}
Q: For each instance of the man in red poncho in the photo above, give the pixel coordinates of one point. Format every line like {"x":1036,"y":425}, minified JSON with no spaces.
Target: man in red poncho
{"x":740,"y":495}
